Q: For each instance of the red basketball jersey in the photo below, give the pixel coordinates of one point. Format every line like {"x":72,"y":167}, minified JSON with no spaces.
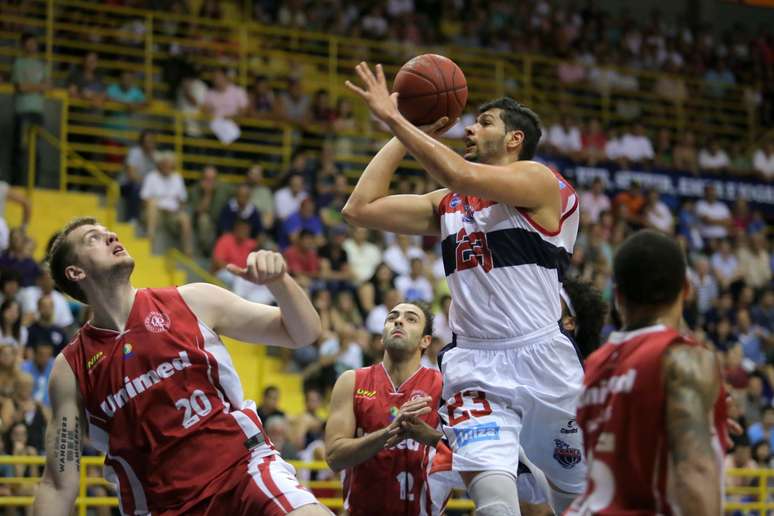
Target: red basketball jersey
{"x":164,"y":403}
{"x":622,"y":415}
{"x":394,"y":481}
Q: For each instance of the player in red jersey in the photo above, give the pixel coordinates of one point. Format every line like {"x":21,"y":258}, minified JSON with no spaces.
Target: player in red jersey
{"x":385,"y":470}
{"x":154,"y":386}
{"x":653,"y":409}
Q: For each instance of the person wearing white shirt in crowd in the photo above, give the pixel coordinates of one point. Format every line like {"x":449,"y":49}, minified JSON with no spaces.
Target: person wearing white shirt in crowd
{"x":595,"y":201}
{"x":565,"y":137}
{"x":714,"y":215}
{"x":287,"y":200}
{"x":399,"y":253}
{"x":441,"y":328}
{"x":725,"y":264}
{"x":657,"y":214}
{"x":29,"y":296}
{"x":225,"y":99}
{"x":363,"y":257}
{"x":613,"y":147}
{"x":164,"y":194}
{"x":190,"y":98}
{"x":415,"y":286}
{"x":378,"y":314}
{"x":704,"y":283}
{"x":713,"y":157}
{"x":636,"y":147}
{"x":763,"y":160}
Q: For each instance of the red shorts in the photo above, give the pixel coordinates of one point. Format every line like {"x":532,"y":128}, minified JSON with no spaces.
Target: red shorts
{"x":266,"y":486}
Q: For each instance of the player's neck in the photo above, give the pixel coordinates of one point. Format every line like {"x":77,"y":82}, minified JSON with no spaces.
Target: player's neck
{"x":112,"y":306}
{"x":671,"y":317}
{"x":400,"y":370}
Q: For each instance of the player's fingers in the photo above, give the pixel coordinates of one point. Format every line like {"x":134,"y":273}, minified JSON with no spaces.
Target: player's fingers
{"x":380,"y":74}
{"x":237,"y":271}
{"x":355,"y":88}
{"x":252,"y":273}
{"x":365,"y":74}
{"x":369,"y":75}
{"x":261,"y":266}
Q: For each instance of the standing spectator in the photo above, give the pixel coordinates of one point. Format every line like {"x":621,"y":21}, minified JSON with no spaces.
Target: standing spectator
{"x":140,"y":161}
{"x":755,"y":262}
{"x":269,"y":404}
{"x":45,"y":330}
{"x":302,"y":259}
{"x":261,"y":196}
{"x":164,"y":194}
{"x":293,"y":105}
{"x":593,"y":142}
{"x":17,"y":258}
{"x":363,"y":255}
{"x":261,"y":101}
{"x":232,"y":247}
{"x":657,"y":215}
{"x":595,"y":201}
{"x":239,"y":207}
{"x":287,"y":200}
{"x":704,"y":283}
{"x":207,"y":198}
{"x":31,"y":82}
{"x":86,"y":82}
{"x":414,"y":286}
{"x":305,"y":218}
{"x":191,"y":96}
{"x":714,"y":215}
{"x":713,"y":158}
{"x":30,"y":296}
{"x":225,"y":99}
{"x":398,"y":255}
{"x":11,"y":329}
{"x":39,"y":367}
{"x":763,"y":160}
{"x":14,"y":195}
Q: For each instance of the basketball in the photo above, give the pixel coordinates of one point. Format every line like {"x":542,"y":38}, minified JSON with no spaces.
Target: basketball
{"x":430,"y":86}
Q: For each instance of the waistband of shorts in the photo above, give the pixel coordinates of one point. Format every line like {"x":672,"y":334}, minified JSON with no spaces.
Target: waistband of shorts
{"x":505,"y":343}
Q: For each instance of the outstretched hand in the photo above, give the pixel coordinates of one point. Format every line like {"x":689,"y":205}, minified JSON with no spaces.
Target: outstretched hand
{"x":262,"y":267}
{"x":375,"y":93}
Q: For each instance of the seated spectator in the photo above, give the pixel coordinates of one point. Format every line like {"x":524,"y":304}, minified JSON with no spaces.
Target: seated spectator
{"x":10,"y":281}
{"x":441,"y":328}
{"x":44,"y":329}
{"x":632,"y":202}
{"x":704,"y":284}
{"x":140,"y":161}
{"x":671,"y":87}
{"x":332,"y":205}
{"x":363,"y":256}
{"x":593,"y":142}
{"x":12,"y":331}
{"x":302,"y":259}
{"x":664,"y":151}
{"x":278,"y":431}
{"x":345,"y":313}
{"x":613,"y":147}
{"x":232,"y":247}
{"x":269,"y":404}
{"x":125,"y":92}
{"x":755,"y":399}
{"x":685,"y":156}
{"x":740,"y":457}
{"x":261,"y":196}
{"x":595,"y":201}
{"x":309,"y":425}
{"x":750,"y":336}
{"x":571,"y":71}
{"x":207,"y":198}
{"x":414,"y":286}
{"x":762,"y":430}
{"x":293,"y":105}
{"x":725,"y":265}
{"x":398,"y":255}
{"x":741,"y":163}
{"x":657,"y":215}
{"x":39,"y":367}
{"x":378,"y":314}
{"x":755,"y":262}
{"x":287,"y":200}
{"x":85,"y":82}
{"x":761,"y":454}
{"x":17,"y":258}
{"x":261,"y":98}
{"x":164,"y":193}
{"x":762,"y":314}
{"x":373,"y":291}
{"x":713,"y":158}
{"x":320,"y":111}
{"x":225,"y":99}
{"x":190,"y":98}
{"x":565,"y":138}
{"x":714,"y":215}
{"x":16,"y":196}
{"x":763,"y":160}
{"x":239,"y":207}
{"x":30,"y":298}
{"x":305,"y":218}
{"x":31,"y":412}
{"x":719,"y":79}
{"x":334,"y":262}
{"x":17,"y":444}
{"x":636,"y":146}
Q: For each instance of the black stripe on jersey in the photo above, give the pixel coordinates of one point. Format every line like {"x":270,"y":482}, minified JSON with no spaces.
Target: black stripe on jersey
{"x":511,"y":247}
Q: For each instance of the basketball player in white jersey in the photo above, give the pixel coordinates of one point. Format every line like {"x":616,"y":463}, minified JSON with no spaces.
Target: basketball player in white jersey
{"x":508,"y":226}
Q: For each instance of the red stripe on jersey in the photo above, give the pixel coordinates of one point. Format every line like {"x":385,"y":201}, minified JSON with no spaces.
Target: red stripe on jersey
{"x":566,"y":193}
{"x":279,"y":496}
{"x":454,"y":202}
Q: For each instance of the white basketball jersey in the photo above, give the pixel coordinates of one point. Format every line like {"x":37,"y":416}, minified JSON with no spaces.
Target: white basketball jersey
{"x":503,"y":269}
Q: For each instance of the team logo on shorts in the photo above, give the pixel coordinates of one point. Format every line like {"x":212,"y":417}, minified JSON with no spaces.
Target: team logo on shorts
{"x":566,"y":456}
{"x":572,"y":428}
{"x":157,"y":322}
{"x":473,"y":434}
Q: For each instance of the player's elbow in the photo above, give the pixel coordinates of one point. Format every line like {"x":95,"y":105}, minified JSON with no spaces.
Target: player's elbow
{"x":335,"y":460}
{"x":352,"y":213}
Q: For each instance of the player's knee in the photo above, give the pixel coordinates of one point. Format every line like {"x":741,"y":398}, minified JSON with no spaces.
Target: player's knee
{"x":495,"y":494}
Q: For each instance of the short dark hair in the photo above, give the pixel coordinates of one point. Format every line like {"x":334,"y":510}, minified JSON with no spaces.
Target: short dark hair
{"x":590,"y":312}
{"x":269,"y":389}
{"x":518,"y":117}
{"x":649,"y":269}
{"x":428,"y":312}
{"x":62,"y":255}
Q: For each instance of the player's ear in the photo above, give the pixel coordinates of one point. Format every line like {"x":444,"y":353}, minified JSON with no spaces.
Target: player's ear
{"x":74,"y":273}
{"x":425,"y":342}
{"x":568,"y":323}
{"x":514,"y":140}
{"x":687,"y":289}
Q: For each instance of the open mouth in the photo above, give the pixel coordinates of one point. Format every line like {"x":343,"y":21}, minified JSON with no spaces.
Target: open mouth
{"x":469,"y":146}
{"x":118,"y":250}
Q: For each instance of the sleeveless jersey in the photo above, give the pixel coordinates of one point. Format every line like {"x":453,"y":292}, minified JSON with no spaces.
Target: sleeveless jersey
{"x":622,"y":415}
{"x":503,"y":269}
{"x":164,"y":403}
{"x":394,"y":481}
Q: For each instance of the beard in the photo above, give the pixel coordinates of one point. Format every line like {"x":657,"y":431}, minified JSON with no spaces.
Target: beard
{"x":120,"y":272}
{"x":400,"y":346}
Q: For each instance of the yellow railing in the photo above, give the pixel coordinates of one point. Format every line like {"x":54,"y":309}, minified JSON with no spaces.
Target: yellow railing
{"x":140,"y":40}
{"x":759,"y":487}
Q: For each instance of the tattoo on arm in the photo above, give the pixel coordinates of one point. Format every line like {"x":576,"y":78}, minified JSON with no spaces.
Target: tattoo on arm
{"x":691,"y":386}
{"x":68,"y":444}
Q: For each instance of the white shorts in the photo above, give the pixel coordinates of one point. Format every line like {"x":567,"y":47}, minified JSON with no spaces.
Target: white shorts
{"x":523,"y":392}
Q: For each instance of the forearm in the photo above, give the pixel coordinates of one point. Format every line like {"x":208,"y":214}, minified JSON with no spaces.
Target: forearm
{"x":299,"y":316}
{"x":50,"y":501}
{"x":346,"y":453}
{"x":442,"y":163}
{"x":698,"y":488}
{"x":374,"y":183}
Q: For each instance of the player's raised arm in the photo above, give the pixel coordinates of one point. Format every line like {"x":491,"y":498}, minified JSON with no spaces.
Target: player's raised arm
{"x":59,"y":485}
{"x":295,"y":323}
{"x":372,"y":206}
{"x":692,"y":383}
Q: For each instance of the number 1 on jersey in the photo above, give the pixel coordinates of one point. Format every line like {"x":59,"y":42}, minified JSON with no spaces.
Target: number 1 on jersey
{"x":406,"y":481}
{"x":195,"y":407}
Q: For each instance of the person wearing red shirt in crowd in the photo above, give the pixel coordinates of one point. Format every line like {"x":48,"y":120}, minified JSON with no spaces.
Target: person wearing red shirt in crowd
{"x":302,"y":258}
{"x":593,"y":141}
{"x":233,"y":247}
